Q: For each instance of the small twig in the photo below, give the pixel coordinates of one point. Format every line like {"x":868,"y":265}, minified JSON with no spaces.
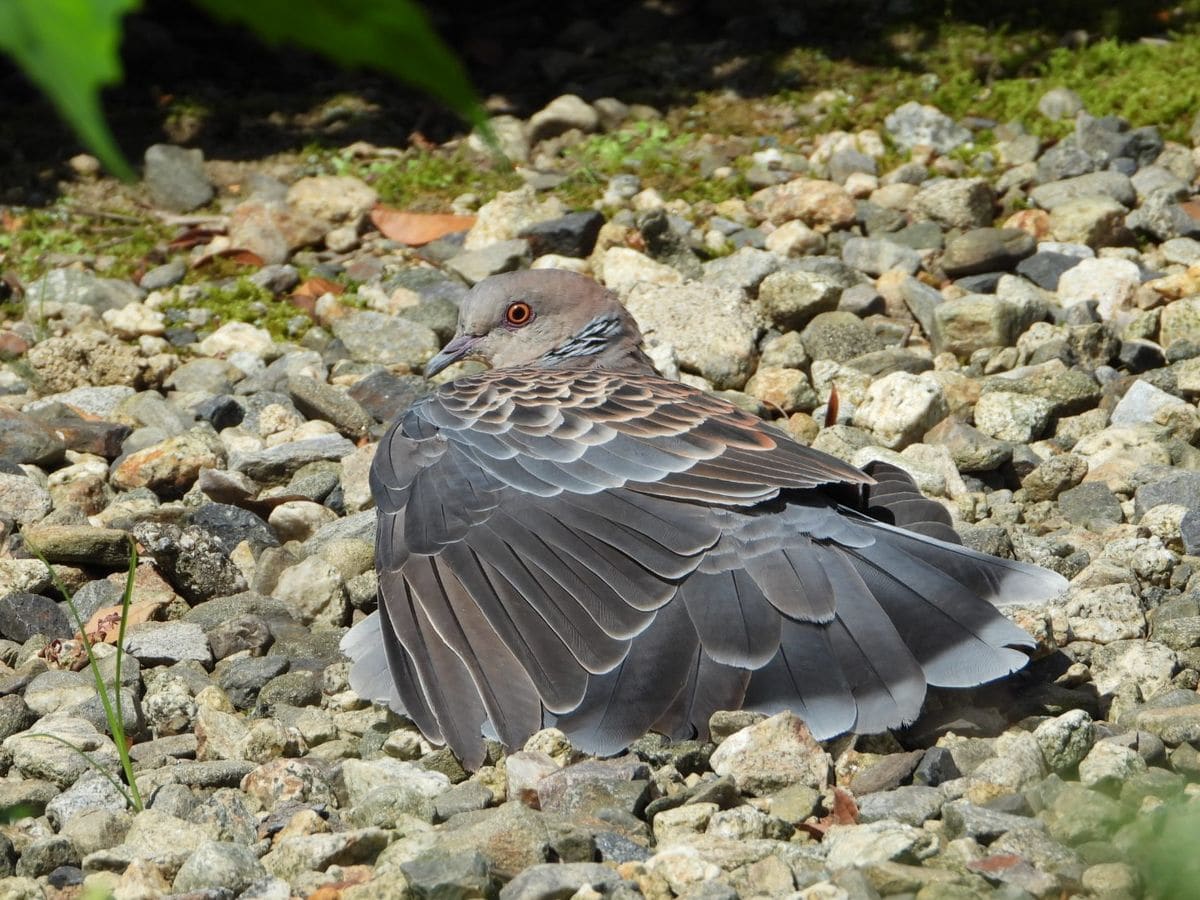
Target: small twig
{"x":91,"y":762}
{"x":104,"y":214}
{"x":112,"y":711}
{"x":192,"y":221}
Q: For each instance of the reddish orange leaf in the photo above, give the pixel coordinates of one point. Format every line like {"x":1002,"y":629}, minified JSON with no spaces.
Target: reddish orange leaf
{"x":316,"y":287}
{"x":193,"y":237}
{"x":845,"y":810}
{"x":236,"y":255}
{"x":417,"y":229}
{"x":831,"y":408}
{"x":105,"y":623}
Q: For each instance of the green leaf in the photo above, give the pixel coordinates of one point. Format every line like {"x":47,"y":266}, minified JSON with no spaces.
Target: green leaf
{"x":394,"y":36}
{"x":69,"y":49}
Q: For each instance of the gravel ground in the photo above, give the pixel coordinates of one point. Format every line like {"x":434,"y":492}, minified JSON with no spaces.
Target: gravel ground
{"x":1020,"y":332}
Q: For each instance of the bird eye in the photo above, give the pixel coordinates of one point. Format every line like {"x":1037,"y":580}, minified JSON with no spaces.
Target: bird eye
{"x":518,"y":314}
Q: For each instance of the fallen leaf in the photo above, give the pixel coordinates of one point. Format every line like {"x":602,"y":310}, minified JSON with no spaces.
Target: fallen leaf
{"x":997,"y":862}
{"x":193,"y":237}
{"x":844,"y":812}
{"x":105,"y":623}
{"x":317,"y":287}
{"x":417,"y":229}
{"x":831,"y":408}
{"x":845,"y":809}
{"x":234,"y":254}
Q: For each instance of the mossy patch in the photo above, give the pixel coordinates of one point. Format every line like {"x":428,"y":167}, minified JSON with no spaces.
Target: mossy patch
{"x":964,"y":70}
{"x":241,"y":300}
{"x":116,"y":243}
{"x":422,"y":180}
{"x":666,"y":159}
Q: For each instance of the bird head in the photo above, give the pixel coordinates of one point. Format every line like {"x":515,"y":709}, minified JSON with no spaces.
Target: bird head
{"x":546,"y":317}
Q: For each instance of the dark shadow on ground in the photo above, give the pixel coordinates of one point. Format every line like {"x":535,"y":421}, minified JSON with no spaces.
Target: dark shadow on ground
{"x":194,"y":81}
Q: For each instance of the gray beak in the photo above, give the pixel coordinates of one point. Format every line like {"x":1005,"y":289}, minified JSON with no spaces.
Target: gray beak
{"x":460,"y":347}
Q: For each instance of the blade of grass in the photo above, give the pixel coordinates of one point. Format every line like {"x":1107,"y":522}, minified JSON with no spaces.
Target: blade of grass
{"x":394,"y":37}
{"x":112,"y":714}
{"x":69,"y":48}
{"x":91,"y":762}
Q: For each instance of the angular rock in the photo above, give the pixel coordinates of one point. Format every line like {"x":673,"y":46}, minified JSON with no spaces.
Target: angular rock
{"x":80,"y":544}
{"x":22,"y":615}
{"x":956,"y":202}
{"x":975,"y":322}
{"x":839,"y":336}
{"x":899,"y":408}
{"x":986,"y":250}
{"x":878,"y":255}
{"x":913,"y":124}
{"x":220,"y":865}
{"x":191,"y":559}
{"x":571,"y":235}
{"x":175,"y":178}
{"x":166,"y":643}
{"x":821,"y":205}
{"x":387,"y":340}
{"x":714,"y":332}
{"x":170,"y":467}
{"x":771,"y":755}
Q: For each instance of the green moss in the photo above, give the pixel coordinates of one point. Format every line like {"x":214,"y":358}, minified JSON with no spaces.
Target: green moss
{"x":667,"y":160}
{"x":240,"y":300}
{"x":969,"y":70}
{"x":429,"y":181}
{"x":45,"y":238}
{"x":421,"y":181}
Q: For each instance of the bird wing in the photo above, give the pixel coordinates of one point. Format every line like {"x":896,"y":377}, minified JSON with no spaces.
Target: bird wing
{"x":610,"y":551}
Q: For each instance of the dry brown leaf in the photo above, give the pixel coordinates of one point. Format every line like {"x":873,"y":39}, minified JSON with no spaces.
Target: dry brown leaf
{"x":10,"y":223}
{"x":831,"y":408}
{"x":105,"y":623}
{"x":316,"y":287}
{"x":417,"y":229}
{"x":234,"y":254}
{"x":844,"y":812}
{"x":193,"y":237}
{"x":845,"y":809}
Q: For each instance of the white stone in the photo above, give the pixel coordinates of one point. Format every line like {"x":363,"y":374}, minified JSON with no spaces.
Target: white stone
{"x":561,"y":114}
{"x":714,"y":330}
{"x":134,"y":320}
{"x":1104,"y":614}
{"x":900,"y":408}
{"x":315,"y":591}
{"x":622,"y":269}
{"x":794,"y":238}
{"x":1148,"y":663}
{"x":1110,"y":282}
{"x":874,"y":843}
{"x":1009,"y":416}
{"x":556,"y":261}
{"x":1144,"y":403}
{"x":298,"y":520}
{"x":235,"y":336}
{"x":505,"y":216}
{"x":1110,"y":765}
{"x":335,"y":199}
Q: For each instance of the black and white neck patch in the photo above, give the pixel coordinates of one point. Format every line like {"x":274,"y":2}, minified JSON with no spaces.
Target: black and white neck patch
{"x":593,"y":338}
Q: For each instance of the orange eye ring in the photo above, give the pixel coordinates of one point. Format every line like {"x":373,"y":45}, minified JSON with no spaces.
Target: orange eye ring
{"x":518,"y":314}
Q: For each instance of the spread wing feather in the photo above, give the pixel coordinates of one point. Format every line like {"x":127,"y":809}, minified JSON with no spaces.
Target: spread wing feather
{"x":612,"y":552}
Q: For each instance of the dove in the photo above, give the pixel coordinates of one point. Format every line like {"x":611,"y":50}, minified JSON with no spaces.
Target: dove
{"x":570,"y":540}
